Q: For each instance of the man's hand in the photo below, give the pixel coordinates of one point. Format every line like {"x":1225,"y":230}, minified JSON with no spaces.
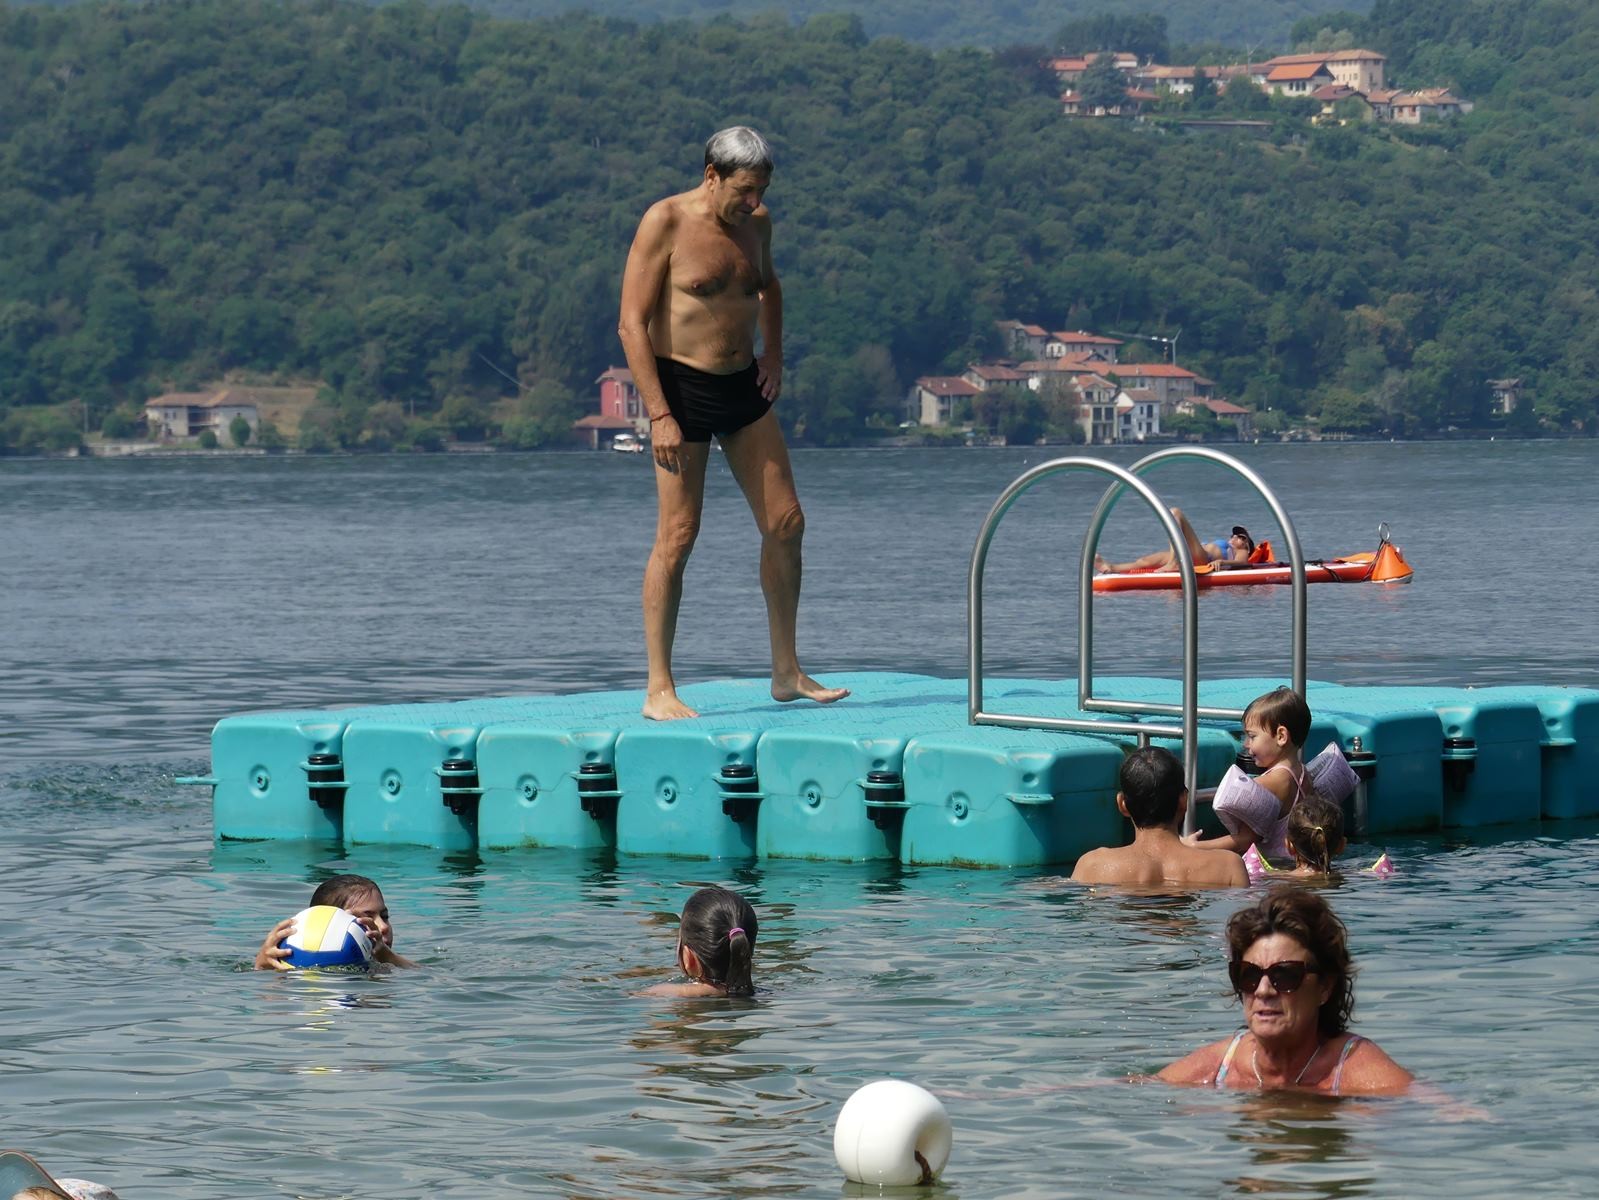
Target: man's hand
{"x":666,"y":439}
{"x":769,"y":376}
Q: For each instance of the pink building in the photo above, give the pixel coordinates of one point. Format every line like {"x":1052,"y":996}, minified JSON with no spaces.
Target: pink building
{"x":620,"y":399}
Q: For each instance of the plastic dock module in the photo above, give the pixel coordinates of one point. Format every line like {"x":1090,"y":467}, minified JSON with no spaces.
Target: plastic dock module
{"x":988,"y":797}
{"x":894,"y":772}
{"x":398,"y":791}
{"x":692,"y":787}
{"x":1570,"y":746}
{"x":1394,"y":743}
{"x":550,"y":779}
{"x":279,"y":775}
{"x":836,"y":789}
{"x":1490,"y":756}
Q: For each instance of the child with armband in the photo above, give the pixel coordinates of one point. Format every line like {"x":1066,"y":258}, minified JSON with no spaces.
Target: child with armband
{"x":1255,"y":811}
{"x":715,"y":943}
{"x":356,"y":895}
{"x":1315,"y":837}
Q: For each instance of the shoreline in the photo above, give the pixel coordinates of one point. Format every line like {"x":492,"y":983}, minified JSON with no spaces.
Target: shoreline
{"x":124,"y":451}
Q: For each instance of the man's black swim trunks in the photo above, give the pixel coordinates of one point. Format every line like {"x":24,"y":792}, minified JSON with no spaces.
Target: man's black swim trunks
{"x":705,"y":404}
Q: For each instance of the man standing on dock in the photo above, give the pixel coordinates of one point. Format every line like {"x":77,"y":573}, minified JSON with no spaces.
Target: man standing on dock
{"x":698,"y":284}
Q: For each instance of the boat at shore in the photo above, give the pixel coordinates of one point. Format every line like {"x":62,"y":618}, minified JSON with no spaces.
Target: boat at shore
{"x":627,"y":443}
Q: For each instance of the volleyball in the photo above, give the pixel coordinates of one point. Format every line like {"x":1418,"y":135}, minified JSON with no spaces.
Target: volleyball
{"x":325,"y":936}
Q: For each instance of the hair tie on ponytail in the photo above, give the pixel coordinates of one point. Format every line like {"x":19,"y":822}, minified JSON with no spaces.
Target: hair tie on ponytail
{"x":732,"y":931}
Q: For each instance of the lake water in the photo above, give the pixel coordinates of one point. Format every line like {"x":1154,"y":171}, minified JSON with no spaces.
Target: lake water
{"x":143,"y":600}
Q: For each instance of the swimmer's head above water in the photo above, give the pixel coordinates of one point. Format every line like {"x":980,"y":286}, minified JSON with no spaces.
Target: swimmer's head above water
{"x":716,"y":940}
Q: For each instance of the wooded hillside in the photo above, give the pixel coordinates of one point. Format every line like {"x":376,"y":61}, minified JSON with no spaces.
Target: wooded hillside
{"x":399,"y":200}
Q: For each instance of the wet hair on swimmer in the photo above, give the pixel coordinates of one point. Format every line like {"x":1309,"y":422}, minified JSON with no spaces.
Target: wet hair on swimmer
{"x":1283,"y":707}
{"x":738,"y":148}
{"x":1316,"y":831}
{"x":1151,"y":782}
{"x":341,"y":889}
{"x":1304,"y":916}
{"x":720,"y":927}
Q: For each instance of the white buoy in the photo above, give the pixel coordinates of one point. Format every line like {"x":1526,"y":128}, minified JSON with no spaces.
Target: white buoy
{"x":893,"y":1134}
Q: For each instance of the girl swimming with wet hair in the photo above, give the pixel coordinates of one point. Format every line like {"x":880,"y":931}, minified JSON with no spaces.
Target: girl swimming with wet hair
{"x":1315,"y":834}
{"x":715,"y":943}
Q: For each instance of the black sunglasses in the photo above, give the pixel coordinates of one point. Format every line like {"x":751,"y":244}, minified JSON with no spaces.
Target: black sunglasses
{"x":1285,"y":976}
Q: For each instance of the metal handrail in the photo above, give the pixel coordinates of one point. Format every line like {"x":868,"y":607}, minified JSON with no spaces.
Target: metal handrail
{"x":1085,"y":600}
{"x":1189,"y":710}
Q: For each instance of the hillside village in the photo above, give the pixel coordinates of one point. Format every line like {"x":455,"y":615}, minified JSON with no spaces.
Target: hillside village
{"x":1347,"y":84}
{"x":1084,"y":388}
{"x":1075,"y":380}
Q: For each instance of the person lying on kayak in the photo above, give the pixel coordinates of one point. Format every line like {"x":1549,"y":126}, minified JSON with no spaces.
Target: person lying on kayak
{"x":1237,"y":550}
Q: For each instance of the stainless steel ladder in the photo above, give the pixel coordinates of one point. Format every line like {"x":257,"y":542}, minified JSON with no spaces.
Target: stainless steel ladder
{"x":1124,"y":480}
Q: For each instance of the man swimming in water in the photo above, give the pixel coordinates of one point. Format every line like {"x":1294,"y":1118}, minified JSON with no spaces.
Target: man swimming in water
{"x":699,"y":282}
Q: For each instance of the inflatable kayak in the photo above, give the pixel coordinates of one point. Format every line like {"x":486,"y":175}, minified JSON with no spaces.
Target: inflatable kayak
{"x":1387,"y":565}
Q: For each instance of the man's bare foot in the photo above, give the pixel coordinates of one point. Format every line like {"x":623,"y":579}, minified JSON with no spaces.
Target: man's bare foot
{"x":806,"y":688}
{"x":1101,"y":566}
{"x":665,"y":706}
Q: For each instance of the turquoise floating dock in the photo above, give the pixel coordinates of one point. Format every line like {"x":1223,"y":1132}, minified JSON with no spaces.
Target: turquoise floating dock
{"x":894,"y":772}
{"x":974,"y":772}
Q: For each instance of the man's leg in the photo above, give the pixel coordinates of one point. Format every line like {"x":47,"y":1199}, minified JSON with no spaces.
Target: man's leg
{"x":680,"y":496}
{"x":758,"y":459}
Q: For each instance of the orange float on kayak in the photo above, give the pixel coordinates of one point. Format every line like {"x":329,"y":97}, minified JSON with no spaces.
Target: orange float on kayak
{"x":1387,"y":565}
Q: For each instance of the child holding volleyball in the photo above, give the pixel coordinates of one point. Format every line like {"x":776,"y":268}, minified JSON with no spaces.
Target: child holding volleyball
{"x":715,"y":942}
{"x":356,"y":895}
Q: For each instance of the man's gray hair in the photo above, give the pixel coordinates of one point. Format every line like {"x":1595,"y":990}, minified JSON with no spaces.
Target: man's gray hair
{"x":738,"y":148}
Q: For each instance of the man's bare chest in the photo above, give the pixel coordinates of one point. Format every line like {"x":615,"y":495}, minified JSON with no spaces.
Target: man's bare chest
{"x":710,"y":266}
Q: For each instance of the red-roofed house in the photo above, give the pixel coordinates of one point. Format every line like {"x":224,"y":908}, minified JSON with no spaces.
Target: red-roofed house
{"x":1081,"y":342}
{"x":1243,"y":419}
{"x":1069,"y":69}
{"x":1429,"y":104}
{"x":993,"y":377}
{"x":935,"y":398}
{"x":619,"y":398}
{"x":1360,"y":69}
{"x":1177,"y":80}
{"x":1298,"y":79}
{"x":1022,"y":341}
{"x":1335,"y":96}
{"x":1169,"y":383}
{"x":1137,"y":415}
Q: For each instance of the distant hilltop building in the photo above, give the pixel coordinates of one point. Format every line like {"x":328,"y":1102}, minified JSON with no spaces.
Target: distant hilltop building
{"x":1331,"y":77}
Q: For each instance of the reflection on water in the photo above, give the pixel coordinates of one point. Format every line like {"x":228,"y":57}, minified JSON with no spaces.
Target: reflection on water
{"x":1298,"y":1145}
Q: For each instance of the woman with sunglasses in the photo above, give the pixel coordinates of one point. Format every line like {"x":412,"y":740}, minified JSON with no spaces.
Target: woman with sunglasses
{"x":1234,"y":551}
{"x":1290,"y":967}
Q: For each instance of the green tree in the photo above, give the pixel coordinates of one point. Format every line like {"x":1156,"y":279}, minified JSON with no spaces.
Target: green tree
{"x":1143,"y":34}
{"x":544,"y":417}
{"x":239,"y":430}
{"x":119,"y":424}
{"x":1243,"y":96}
{"x":1102,"y":85}
{"x":207,"y":439}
